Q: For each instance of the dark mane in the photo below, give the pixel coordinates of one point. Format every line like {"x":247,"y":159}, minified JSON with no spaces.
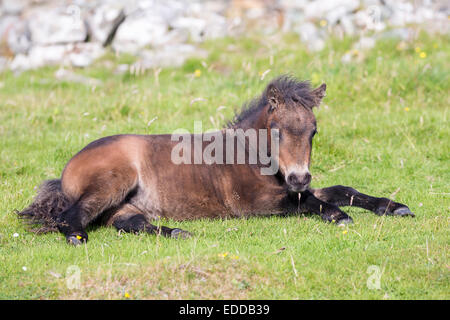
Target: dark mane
{"x":293,"y":91}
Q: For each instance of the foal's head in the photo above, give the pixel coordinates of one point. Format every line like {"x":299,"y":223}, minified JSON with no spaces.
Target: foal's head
{"x":290,"y":105}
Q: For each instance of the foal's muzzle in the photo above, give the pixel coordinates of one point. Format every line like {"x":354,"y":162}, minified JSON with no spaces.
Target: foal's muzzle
{"x":298,"y":182}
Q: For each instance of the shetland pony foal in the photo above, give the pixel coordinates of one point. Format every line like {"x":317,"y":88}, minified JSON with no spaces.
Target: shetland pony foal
{"x":129,"y":180}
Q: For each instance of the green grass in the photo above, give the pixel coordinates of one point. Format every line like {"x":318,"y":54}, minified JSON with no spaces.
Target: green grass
{"x":383,"y":129}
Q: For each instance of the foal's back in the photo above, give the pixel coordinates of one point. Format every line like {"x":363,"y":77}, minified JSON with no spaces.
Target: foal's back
{"x":138,"y":169}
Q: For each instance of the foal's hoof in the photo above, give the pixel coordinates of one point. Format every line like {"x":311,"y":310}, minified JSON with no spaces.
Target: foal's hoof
{"x":180,"y":234}
{"x":76,"y":239}
{"x":403,"y":211}
{"x":344,"y":222}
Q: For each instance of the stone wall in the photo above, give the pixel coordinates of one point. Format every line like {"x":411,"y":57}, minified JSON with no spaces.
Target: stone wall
{"x":35,"y":33}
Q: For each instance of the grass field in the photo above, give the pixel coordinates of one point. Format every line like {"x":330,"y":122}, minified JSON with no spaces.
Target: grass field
{"x":383,"y":129}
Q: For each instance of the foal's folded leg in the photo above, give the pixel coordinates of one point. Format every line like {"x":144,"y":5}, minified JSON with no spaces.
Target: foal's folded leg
{"x":129,"y":219}
{"x":347,"y":196}
{"x":327,"y":211}
{"x":70,"y":224}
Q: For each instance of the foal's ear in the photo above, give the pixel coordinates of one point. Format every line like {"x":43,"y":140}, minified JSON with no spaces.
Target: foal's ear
{"x":319,"y":93}
{"x":274,"y":97}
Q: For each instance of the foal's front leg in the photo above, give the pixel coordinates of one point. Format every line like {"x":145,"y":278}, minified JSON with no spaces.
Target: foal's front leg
{"x":327,"y":211}
{"x":347,"y":196}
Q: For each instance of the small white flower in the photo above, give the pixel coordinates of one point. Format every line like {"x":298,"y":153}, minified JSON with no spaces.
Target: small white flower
{"x":24,"y":268}
{"x":15,"y":235}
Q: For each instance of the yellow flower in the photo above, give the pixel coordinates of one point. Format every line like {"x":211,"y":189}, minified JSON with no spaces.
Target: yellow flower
{"x":197,"y":73}
{"x":345,"y":232}
{"x":423,"y":55}
{"x":406,"y":109}
{"x":323,"y":23}
{"x":235,"y":257}
{"x":79,"y":237}
{"x":126,"y":295}
{"x":223,"y":255}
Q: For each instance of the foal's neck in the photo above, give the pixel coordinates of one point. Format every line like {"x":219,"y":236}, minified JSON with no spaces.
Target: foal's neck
{"x":257,"y":120}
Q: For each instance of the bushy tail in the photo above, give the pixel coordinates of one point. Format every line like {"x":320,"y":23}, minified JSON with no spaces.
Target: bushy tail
{"x":42,"y":214}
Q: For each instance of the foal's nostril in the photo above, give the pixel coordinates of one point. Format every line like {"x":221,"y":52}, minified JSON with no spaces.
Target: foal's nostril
{"x":293,"y":179}
{"x":307,"y":179}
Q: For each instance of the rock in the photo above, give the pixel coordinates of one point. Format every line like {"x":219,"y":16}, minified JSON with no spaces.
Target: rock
{"x":335,"y":15}
{"x":194,"y":26}
{"x":3,"y":64}
{"x":217,"y":27}
{"x":209,"y":26}
{"x":311,"y":36}
{"x":423,"y":14}
{"x":139,"y":30}
{"x":402,"y":13}
{"x":19,"y":37}
{"x":176,"y":36}
{"x":334,"y":8}
{"x":104,"y":21}
{"x":20,"y":63}
{"x":292,"y":18}
{"x":347,"y":25}
{"x":13,"y":7}
{"x":370,"y":19}
{"x":367,"y":3}
{"x":83,"y":54}
{"x":298,"y":5}
{"x":365,"y":43}
{"x":6,"y":24}
{"x":213,"y":6}
{"x":307,"y":31}
{"x":57,"y":26}
{"x":39,"y":56}
{"x":77,"y":55}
